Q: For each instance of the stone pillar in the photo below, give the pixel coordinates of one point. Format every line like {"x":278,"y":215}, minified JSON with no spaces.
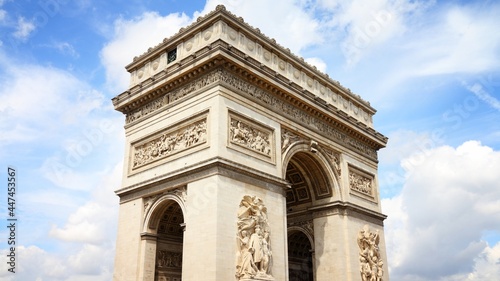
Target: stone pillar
{"x":148,"y":252}
{"x":128,"y":243}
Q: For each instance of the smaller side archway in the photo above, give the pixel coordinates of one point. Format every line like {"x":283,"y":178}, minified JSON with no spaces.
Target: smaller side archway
{"x":163,"y":235}
{"x":300,"y":255}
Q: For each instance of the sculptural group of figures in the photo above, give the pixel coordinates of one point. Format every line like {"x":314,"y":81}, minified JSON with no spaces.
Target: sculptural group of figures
{"x":360,"y":183}
{"x":169,"y":259}
{"x":254,"y":248}
{"x":169,"y":143}
{"x":250,"y":137}
{"x":371,"y":267}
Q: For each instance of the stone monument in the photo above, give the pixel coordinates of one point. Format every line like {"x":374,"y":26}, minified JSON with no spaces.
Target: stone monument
{"x":243,"y":162}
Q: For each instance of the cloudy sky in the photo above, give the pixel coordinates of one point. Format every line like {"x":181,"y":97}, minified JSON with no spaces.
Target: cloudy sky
{"x":430,"y":68}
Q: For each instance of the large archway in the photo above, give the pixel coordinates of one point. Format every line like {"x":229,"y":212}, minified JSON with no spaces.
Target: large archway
{"x":170,"y":238}
{"x":163,"y":235}
{"x":310,"y":186}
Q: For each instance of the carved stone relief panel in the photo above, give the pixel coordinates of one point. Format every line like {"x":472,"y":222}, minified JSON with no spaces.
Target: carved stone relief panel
{"x":371,"y":264}
{"x":288,"y":137}
{"x":250,"y":137}
{"x":177,"y":138}
{"x":254,"y":252}
{"x":361,"y":183}
{"x":168,"y":259}
{"x":335,"y":159}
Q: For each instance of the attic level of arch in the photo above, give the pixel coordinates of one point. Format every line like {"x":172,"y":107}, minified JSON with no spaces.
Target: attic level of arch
{"x":238,"y":25}
{"x":221,"y":30}
{"x":220,"y":70}
{"x":175,"y":67}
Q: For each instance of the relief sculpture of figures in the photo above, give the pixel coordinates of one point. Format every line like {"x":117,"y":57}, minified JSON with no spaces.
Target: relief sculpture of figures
{"x":169,"y":259}
{"x":371,"y":265}
{"x":249,"y":137}
{"x":253,"y":242}
{"x":360,"y":183}
{"x":169,"y":143}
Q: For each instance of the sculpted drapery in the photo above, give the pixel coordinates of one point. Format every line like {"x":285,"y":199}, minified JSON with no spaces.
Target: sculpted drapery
{"x":253,"y":241}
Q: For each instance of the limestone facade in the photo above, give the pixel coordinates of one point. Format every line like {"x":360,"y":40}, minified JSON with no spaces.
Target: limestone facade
{"x":243,"y":162}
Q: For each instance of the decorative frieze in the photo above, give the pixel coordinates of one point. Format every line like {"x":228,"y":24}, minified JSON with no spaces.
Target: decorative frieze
{"x":162,"y":145}
{"x":249,"y":136}
{"x":361,"y":183}
{"x":252,"y":91}
{"x":167,"y":259}
{"x":371,"y":264}
{"x":254,"y":255}
{"x":164,"y":100}
{"x":296,"y":114}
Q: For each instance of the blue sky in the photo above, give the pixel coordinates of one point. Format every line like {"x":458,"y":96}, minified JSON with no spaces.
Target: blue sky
{"x":430,"y":68}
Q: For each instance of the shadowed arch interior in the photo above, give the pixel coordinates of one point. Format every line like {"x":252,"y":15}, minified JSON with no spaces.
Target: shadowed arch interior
{"x":300,"y":263}
{"x":308,"y":180}
{"x":170,"y":238}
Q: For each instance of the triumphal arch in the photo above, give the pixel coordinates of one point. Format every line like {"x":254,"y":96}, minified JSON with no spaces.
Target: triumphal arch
{"x":243,"y":162}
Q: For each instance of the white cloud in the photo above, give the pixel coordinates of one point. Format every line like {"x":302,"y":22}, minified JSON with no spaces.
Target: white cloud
{"x":92,"y":260}
{"x":36,"y":264}
{"x":42,"y":100}
{"x":435,"y":226}
{"x":482,"y":94}
{"x":291,"y":23}
{"x":133,"y":38}
{"x":23,"y":29}
{"x":87,"y":240}
{"x":65,"y":48}
{"x":3,"y":15}
{"x":468,"y":42}
{"x":89,"y":263}
{"x":362,"y":25}
{"x":318,"y":63}
{"x":92,"y":223}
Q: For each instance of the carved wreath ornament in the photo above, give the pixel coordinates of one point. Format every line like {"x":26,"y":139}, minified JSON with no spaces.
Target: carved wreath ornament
{"x":371,"y":264}
{"x":254,"y":256}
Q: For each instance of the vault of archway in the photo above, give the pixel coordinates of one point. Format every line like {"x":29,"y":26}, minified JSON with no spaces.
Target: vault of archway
{"x":308,"y":181}
{"x":170,"y":223}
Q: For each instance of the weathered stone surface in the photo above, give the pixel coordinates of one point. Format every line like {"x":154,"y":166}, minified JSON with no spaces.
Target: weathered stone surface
{"x":243,"y":162}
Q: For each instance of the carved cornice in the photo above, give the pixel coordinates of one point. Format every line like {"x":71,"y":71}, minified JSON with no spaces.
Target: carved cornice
{"x":301,"y":113}
{"x":264,"y":92}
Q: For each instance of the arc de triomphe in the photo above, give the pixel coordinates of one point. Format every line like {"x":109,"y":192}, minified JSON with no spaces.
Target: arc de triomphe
{"x":243,"y":162}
